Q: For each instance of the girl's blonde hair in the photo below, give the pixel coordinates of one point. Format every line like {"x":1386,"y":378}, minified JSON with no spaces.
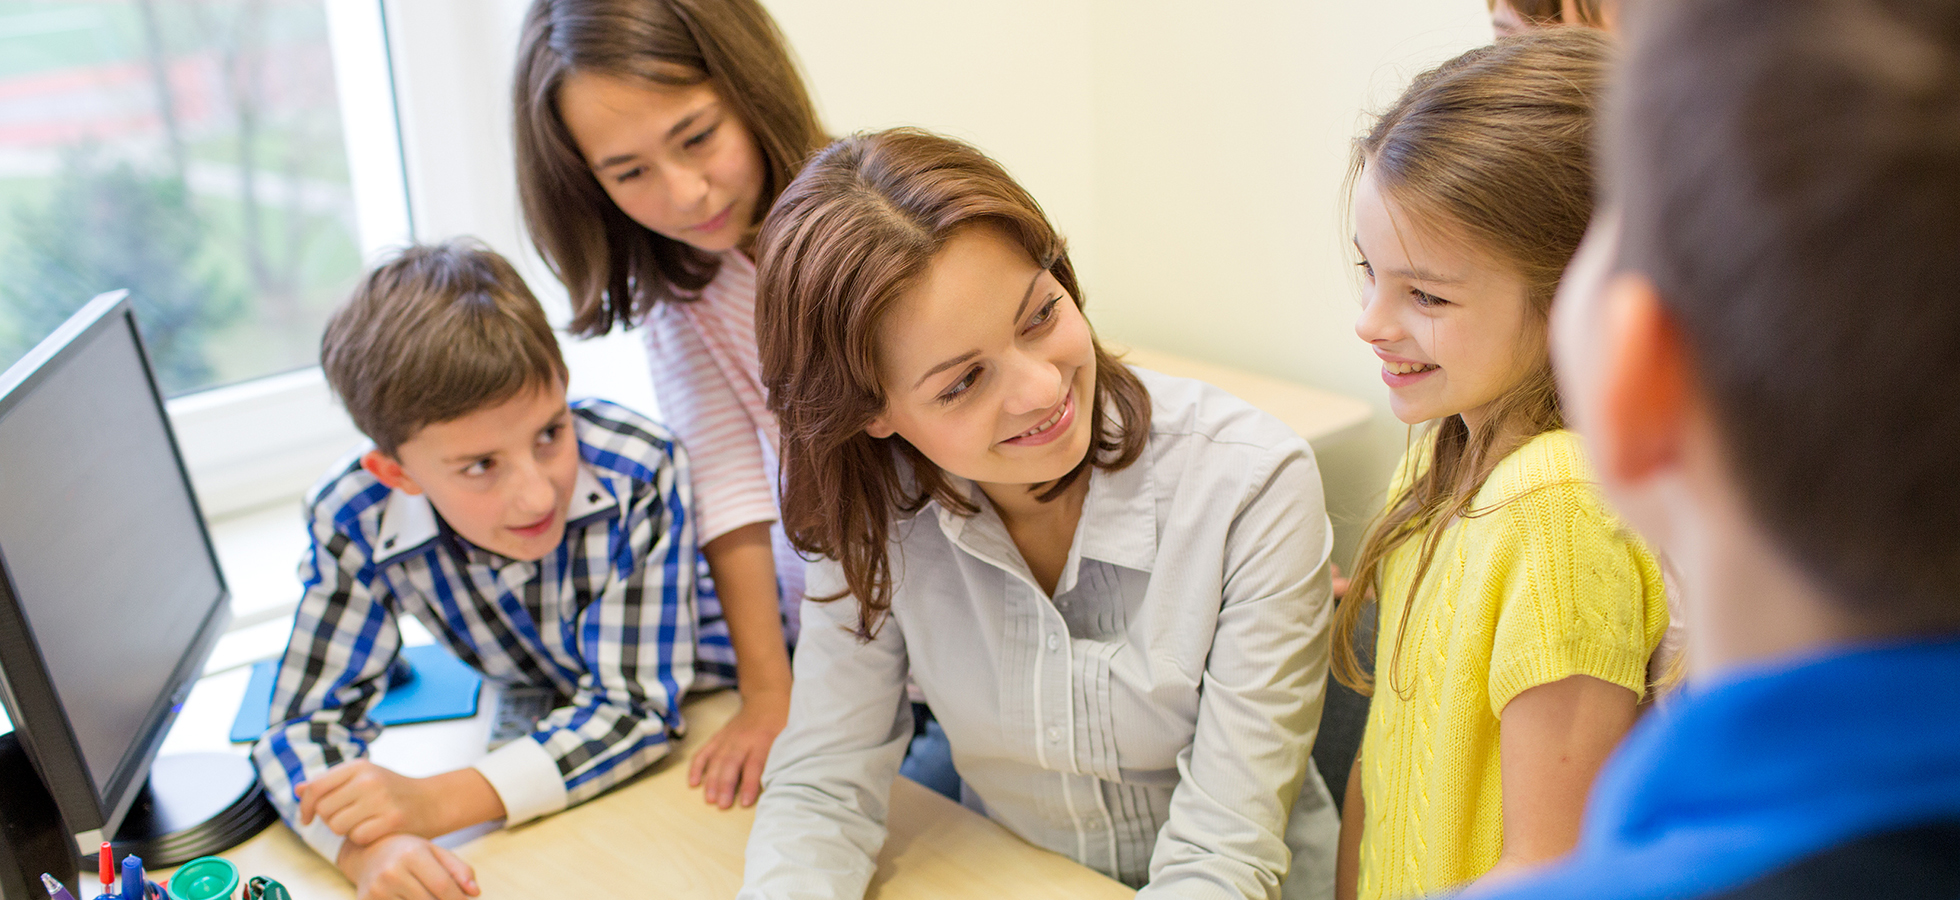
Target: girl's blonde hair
{"x":1493,"y":147}
{"x":613,"y":268}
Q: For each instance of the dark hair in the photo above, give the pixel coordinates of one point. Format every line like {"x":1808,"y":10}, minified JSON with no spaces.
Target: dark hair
{"x":433,"y":334}
{"x":613,"y":268}
{"x":845,"y":240}
{"x":1536,"y":12}
{"x":1494,"y":145}
{"x":1788,"y":175}
{"x":1553,"y":12}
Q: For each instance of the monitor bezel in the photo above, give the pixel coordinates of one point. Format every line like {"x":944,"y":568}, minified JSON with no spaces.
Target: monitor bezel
{"x":40,"y":724}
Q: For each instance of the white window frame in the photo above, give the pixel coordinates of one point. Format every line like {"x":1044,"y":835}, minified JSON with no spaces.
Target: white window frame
{"x":267,"y":440}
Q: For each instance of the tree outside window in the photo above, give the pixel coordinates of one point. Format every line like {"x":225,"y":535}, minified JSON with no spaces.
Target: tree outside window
{"x":188,"y":150}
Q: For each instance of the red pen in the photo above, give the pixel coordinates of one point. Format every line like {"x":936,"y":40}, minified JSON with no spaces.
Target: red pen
{"x":106,"y":867}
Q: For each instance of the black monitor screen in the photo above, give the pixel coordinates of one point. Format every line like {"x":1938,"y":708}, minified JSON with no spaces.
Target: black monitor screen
{"x":103,"y":544}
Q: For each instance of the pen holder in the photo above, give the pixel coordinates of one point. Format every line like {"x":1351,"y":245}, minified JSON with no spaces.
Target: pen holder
{"x":204,"y":878}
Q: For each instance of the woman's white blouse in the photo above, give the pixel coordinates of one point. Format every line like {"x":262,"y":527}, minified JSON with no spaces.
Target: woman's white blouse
{"x":1152,"y":721}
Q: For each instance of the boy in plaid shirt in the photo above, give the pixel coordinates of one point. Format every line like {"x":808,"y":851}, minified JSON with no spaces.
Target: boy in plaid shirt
{"x":545,"y":543}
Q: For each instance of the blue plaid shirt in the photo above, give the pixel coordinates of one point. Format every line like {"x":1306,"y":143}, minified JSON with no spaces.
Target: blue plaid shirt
{"x":612,"y":620}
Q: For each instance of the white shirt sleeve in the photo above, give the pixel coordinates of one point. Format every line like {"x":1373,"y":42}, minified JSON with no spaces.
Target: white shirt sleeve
{"x":1260,"y":699}
{"x":526,"y":779}
{"x":826,"y":792}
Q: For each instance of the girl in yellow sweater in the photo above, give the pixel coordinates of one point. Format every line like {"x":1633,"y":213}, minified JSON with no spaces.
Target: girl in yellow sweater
{"x":1516,"y":616}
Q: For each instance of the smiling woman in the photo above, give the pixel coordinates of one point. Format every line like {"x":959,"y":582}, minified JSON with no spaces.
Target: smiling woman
{"x":1110,"y":585}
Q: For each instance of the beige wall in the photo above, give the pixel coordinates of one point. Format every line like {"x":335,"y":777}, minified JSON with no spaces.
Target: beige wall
{"x":1193,"y":153}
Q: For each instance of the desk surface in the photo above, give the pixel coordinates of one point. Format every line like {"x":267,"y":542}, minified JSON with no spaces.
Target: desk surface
{"x":658,"y":824}
{"x":1317,"y":415}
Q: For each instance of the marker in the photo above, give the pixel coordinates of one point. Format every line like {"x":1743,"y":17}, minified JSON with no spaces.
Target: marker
{"x":106,"y":867}
{"x":132,"y":882}
{"x":56,"y":890}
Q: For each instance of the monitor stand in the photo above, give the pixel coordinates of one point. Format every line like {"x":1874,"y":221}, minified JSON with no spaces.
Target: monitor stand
{"x":195,"y":804}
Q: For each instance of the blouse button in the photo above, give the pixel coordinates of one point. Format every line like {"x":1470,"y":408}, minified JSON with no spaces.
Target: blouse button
{"x":1054,"y":734}
{"x":1054,"y":642}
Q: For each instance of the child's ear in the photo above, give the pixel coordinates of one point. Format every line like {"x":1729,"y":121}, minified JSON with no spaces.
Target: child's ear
{"x":1646,"y":382}
{"x":388,"y":470}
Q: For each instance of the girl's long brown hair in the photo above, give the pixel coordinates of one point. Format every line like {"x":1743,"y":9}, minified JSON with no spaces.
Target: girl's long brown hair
{"x":614,"y":268}
{"x":1495,"y":147}
{"x":845,"y":240}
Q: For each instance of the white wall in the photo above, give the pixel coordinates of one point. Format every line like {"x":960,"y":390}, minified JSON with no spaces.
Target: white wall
{"x":1193,"y":155}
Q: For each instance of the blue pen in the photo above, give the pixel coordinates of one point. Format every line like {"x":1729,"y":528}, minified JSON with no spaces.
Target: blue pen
{"x":132,"y":878}
{"x":56,"y":890}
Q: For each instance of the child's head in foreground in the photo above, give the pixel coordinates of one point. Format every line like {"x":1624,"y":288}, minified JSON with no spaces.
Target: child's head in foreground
{"x":445,"y":360}
{"x":1761,"y":341}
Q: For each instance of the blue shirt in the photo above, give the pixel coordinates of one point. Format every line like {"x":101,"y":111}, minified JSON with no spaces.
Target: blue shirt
{"x":1743,"y":777}
{"x":617,"y":619}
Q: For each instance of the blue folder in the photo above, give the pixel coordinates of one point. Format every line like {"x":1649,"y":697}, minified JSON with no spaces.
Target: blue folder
{"x":442,"y":687}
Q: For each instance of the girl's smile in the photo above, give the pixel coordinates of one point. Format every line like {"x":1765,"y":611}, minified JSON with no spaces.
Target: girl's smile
{"x":719,"y":222}
{"x":1398,"y":372}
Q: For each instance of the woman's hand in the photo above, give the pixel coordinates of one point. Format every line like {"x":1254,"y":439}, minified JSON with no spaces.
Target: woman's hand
{"x":729,"y":768}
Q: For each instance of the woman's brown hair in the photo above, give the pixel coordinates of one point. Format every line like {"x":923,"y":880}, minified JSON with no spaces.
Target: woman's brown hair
{"x":1493,"y":147}
{"x":845,"y":241}
{"x":613,"y":268}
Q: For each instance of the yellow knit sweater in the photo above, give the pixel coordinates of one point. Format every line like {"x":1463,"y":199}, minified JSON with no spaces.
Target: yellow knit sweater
{"x":1539,"y":583}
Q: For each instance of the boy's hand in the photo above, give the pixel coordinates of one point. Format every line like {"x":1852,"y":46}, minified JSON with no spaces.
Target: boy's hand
{"x":365,"y":802}
{"x":731,"y":764}
{"x":406,"y":867}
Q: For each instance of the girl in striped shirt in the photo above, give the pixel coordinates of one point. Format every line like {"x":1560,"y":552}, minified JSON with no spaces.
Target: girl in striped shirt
{"x":651,"y":137}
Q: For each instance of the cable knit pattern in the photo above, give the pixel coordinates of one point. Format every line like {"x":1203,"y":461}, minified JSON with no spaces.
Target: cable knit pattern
{"x":1537,"y":583}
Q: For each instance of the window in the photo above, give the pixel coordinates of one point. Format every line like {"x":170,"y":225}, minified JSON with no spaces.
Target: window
{"x":231,"y":162}
{"x":228,"y":161}
{"x":189,"y":151}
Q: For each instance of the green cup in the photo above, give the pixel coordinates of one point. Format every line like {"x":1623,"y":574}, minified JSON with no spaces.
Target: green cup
{"x":204,"y":878}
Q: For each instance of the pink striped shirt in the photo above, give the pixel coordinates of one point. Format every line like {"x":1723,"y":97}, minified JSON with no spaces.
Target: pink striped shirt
{"x":708,"y":380}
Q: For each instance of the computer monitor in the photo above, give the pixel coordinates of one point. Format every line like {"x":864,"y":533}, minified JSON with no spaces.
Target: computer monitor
{"x":110,"y":595}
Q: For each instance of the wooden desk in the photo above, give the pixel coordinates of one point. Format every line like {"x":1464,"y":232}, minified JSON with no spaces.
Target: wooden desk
{"x":1317,"y":415}
{"x":658,"y":828}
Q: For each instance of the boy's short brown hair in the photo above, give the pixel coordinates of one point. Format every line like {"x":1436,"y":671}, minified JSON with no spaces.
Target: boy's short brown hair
{"x":1789,"y":177}
{"x":434,"y":334}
